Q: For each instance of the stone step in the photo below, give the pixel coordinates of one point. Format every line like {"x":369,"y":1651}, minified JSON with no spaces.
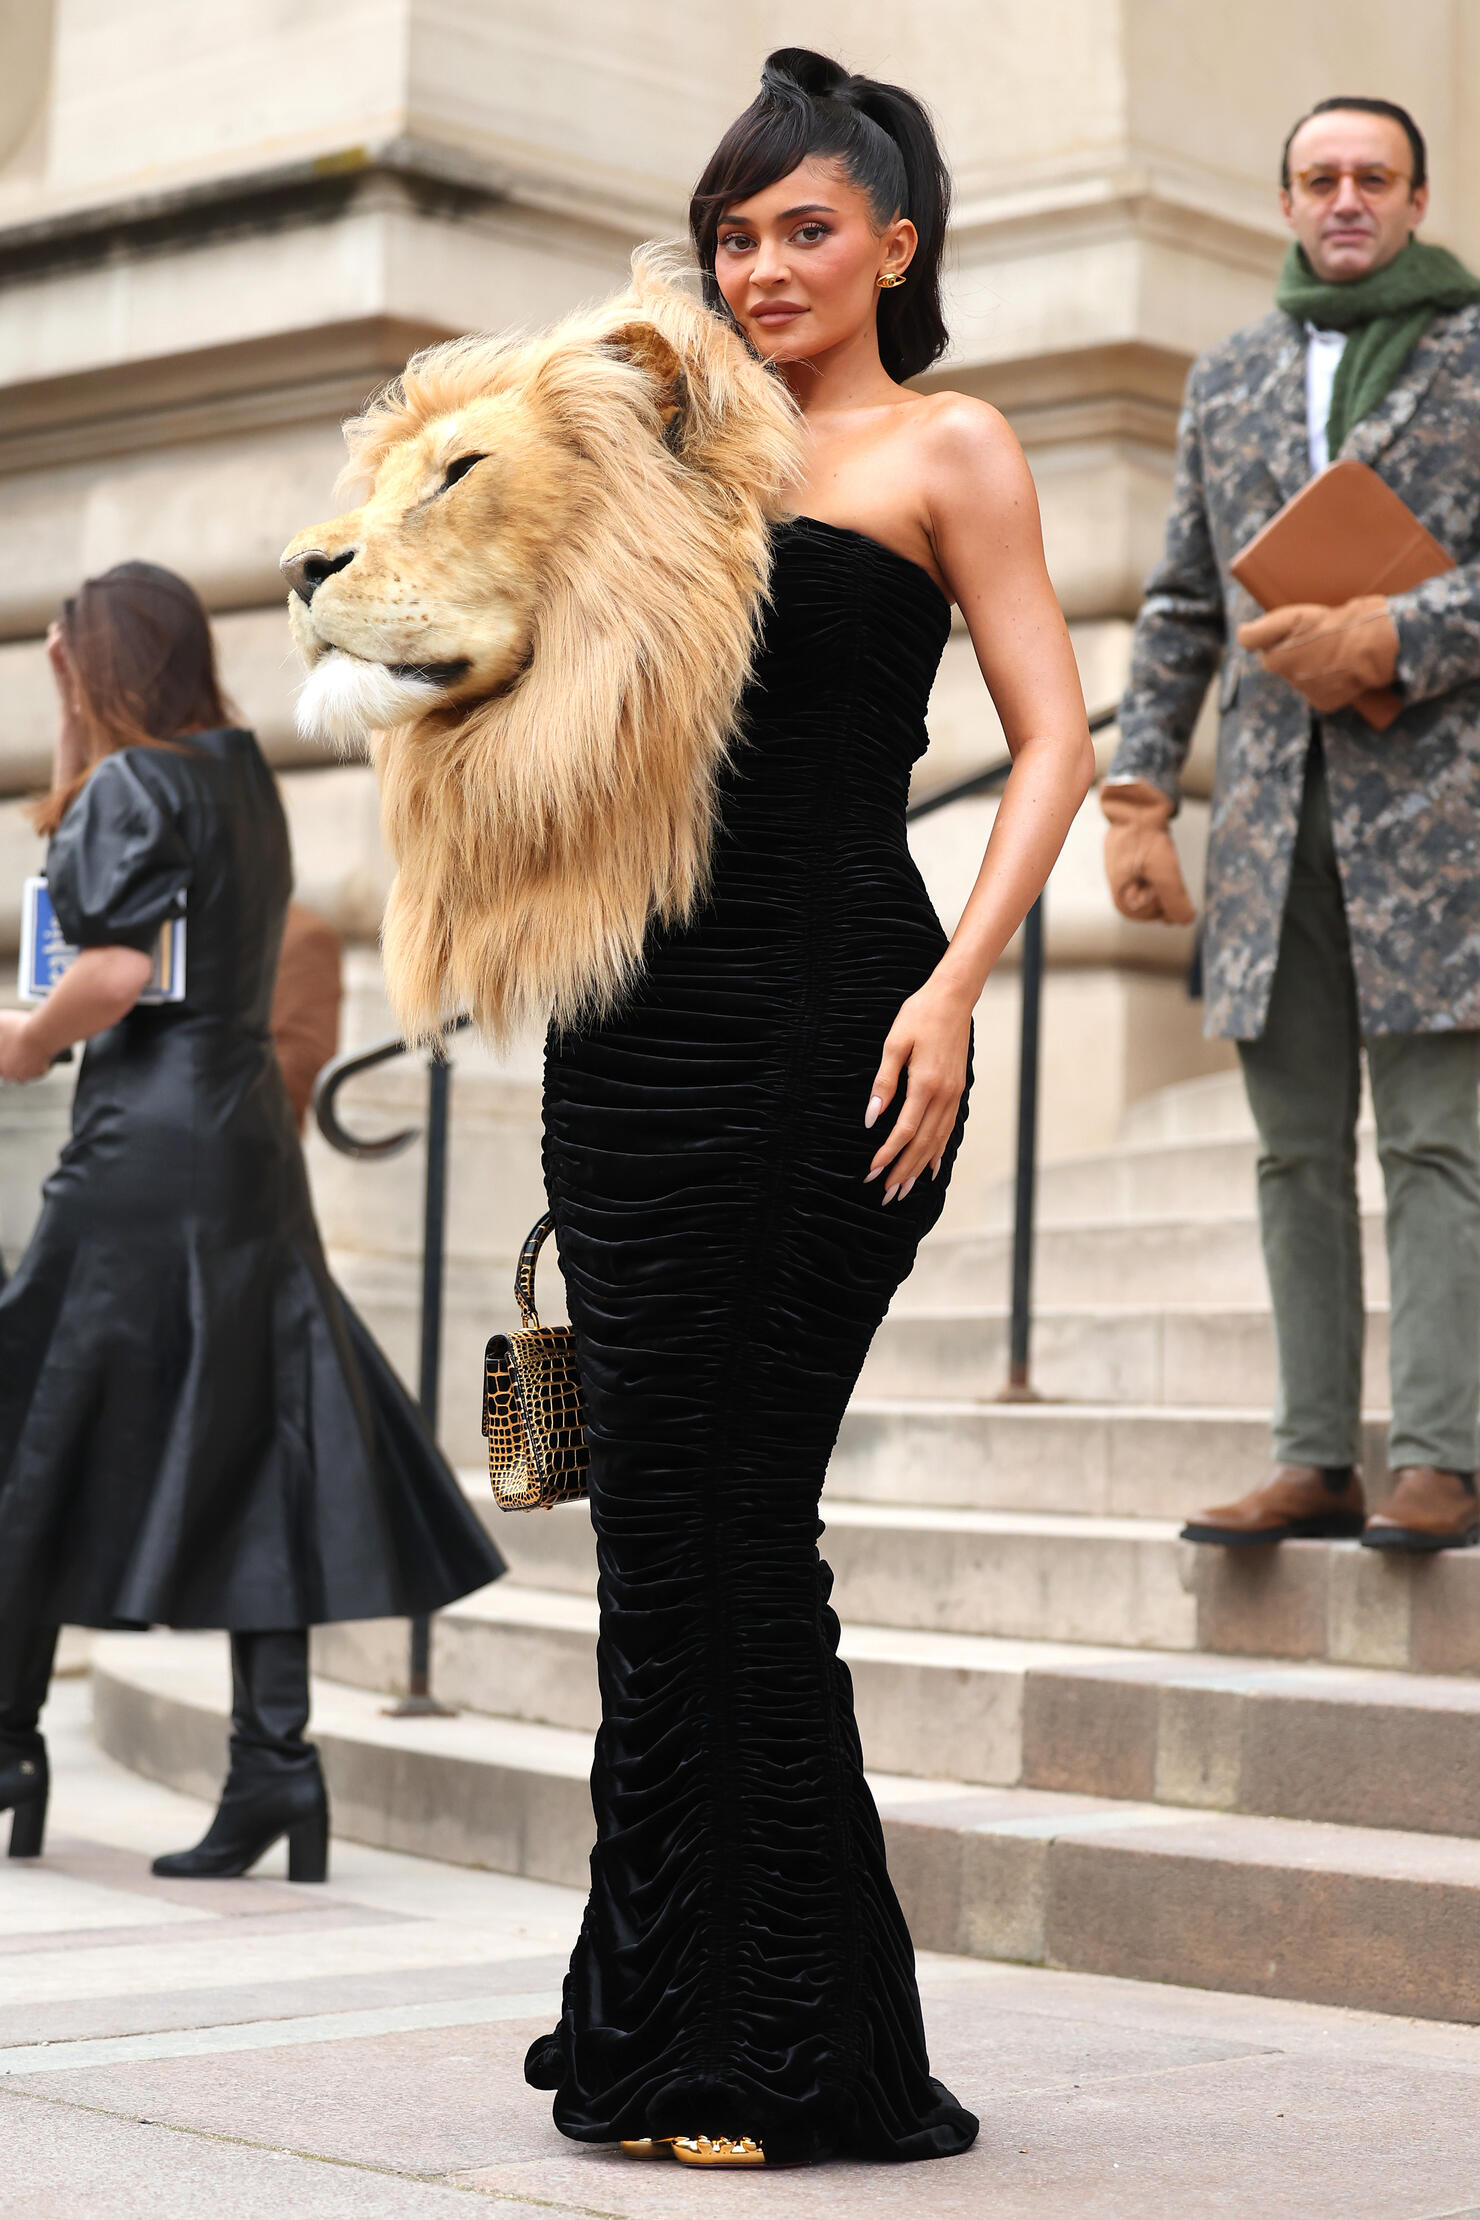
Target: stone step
{"x":1270,"y":1907}
{"x":942,"y":1341}
{"x":1097,"y":1353}
{"x":1158,"y":1261}
{"x":1209,"y":1107}
{"x":1028,"y":1575}
{"x":1119,"y":1582}
{"x":1322,"y":1742}
{"x":1158,"y":1461}
{"x":1176,"y":1179}
{"x":474,"y":1791}
{"x":1358,"y":1916}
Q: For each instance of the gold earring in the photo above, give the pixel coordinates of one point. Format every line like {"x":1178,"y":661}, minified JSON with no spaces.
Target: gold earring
{"x":890,"y":279}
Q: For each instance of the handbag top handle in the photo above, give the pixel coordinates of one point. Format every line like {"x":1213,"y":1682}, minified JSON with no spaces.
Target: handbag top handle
{"x":534,"y":1241}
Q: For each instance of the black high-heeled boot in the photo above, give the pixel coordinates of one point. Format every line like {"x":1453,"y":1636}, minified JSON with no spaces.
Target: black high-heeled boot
{"x":26,"y":1655}
{"x":274,"y":1786}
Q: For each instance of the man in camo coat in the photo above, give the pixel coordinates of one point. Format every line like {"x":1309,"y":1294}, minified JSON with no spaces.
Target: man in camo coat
{"x":1343,"y":871}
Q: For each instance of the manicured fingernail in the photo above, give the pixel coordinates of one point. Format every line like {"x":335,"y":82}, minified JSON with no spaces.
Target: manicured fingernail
{"x":871,"y":1115}
{"x":935,"y":1169}
{"x":891,"y":1192}
{"x":873,"y":1174}
{"x":909,"y":1183}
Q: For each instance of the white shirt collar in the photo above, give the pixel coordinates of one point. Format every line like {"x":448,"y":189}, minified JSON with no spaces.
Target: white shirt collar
{"x":1323,"y":352}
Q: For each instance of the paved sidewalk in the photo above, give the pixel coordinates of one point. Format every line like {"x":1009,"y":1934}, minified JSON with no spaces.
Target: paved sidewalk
{"x":233,"y":2050}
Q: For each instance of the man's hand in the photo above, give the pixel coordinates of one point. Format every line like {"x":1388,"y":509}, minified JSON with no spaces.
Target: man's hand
{"x":1330,"y":655}
{"x":1140,"y":860}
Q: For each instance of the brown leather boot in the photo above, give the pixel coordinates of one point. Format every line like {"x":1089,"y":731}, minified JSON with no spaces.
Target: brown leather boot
{"x":1296,"y":1503}
{"x":1428,"y":1510}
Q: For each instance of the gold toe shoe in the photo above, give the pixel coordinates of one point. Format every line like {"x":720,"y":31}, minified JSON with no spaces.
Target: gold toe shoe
{"x":648,"y":2146}
{"x":717,"y":2150}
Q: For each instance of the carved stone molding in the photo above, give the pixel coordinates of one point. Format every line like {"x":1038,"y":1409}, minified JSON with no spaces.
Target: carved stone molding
{"x":292,"y":377}
{"x":433,"y":180}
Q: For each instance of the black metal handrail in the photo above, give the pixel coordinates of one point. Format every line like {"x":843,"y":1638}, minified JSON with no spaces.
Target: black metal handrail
{"x":339,"y":1070}
{"x":418,"y":1700}
{"x":1018,"y":1387}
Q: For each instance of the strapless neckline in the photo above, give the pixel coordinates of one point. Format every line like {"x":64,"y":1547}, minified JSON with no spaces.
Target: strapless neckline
{"x":803,"y":524}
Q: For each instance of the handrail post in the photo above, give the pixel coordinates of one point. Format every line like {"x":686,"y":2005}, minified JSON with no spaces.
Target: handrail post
{"x":1018,"y":1388}
{"x":418,"y":1701}
{"x":434,"y":1241}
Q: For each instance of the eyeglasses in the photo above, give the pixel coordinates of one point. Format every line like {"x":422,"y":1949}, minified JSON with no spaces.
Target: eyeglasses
{"x":1373,"y":180}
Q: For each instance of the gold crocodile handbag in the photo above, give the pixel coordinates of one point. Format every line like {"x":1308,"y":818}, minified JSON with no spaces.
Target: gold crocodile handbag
{"x":532,"y":1410}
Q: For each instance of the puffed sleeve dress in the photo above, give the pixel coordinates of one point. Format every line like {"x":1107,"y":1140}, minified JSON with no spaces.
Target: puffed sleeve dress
{"x":195,"y":1428}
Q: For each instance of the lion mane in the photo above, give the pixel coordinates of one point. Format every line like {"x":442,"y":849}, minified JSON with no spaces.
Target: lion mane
{"x":538,"y":832}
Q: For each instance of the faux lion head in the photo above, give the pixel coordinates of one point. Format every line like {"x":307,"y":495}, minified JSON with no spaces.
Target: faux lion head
{"x":544,"y":613}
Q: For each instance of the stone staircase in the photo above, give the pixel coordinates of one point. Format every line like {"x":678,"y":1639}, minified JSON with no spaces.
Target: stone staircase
{"x":1093,"y":1746}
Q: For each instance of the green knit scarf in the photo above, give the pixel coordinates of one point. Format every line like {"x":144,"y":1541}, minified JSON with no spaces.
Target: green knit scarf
{"x":1387,"y":313}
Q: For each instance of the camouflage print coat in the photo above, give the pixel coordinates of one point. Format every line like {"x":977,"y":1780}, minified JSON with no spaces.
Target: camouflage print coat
{"x":1405,"y":803}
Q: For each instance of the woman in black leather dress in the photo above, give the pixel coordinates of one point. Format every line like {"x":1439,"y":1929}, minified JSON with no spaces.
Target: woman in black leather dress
{"x":732,"y":1225}
{"x":195,"y":1429}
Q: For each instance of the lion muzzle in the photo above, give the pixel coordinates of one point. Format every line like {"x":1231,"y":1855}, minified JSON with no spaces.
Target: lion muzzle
{"x":306,"y":570}
{"x":344,"y":699}
{"x":347,"y":695}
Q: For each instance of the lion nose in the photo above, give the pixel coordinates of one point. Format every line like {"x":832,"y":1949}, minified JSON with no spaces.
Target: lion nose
{"x":305,"y":573}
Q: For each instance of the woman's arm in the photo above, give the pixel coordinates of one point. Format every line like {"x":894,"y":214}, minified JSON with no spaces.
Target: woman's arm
{"x":101,"y":987}
{"x":69,"y":754}
{"x":983,"y":518}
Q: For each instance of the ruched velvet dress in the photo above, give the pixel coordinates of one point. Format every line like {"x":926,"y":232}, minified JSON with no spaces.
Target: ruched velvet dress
{"x":195,"y":1428}
{"x":744,"y":1967}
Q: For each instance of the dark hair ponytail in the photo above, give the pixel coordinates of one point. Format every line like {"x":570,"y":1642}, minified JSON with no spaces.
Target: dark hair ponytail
{"x":809,"y":107}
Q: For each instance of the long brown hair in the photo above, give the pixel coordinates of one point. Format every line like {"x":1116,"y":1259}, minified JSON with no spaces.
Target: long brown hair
{"x":143,"y":667}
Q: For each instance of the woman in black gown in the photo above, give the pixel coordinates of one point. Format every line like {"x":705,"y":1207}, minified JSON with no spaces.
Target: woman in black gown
{"x":195,"y":1428}
{"x":731,"y":1231}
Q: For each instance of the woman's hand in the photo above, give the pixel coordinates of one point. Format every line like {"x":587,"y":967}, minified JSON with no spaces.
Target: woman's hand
{"x":22,"y":1057}
{"x":98,"y":989}
{"x":928,"y":1042}
{"x":70,"y":754}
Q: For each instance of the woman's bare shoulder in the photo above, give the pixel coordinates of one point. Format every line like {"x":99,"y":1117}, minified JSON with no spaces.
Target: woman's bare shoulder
{"x":959,"y":434}
{"x":969,"y":467}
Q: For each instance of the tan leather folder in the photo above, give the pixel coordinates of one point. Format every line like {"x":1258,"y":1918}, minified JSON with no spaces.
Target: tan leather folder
{"x":1346,"y":533}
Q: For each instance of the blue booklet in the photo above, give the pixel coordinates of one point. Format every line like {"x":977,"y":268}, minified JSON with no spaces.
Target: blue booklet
{"x":46,"y":954}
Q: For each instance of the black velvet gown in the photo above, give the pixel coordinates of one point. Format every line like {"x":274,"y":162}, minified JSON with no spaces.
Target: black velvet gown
{"x":744,"y":1967}
{"x":195,"y":1428}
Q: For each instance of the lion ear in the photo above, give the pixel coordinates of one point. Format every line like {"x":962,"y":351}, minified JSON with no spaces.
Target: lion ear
{"x":645,"y":346}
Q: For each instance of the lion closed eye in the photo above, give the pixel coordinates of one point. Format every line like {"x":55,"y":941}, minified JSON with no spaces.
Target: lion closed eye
{"x":544,"y":613}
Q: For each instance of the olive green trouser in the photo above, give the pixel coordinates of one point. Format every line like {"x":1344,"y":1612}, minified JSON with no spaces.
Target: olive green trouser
{"x":1304,"y":1085}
